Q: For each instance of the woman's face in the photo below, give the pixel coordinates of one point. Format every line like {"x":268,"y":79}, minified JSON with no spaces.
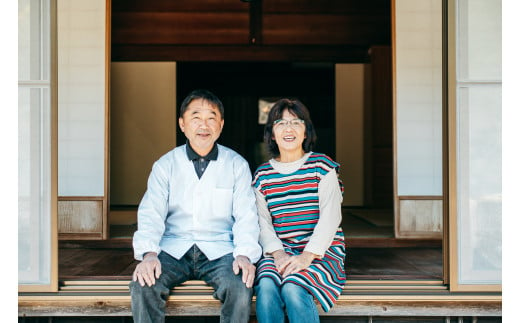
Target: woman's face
{"x":289,"y":133}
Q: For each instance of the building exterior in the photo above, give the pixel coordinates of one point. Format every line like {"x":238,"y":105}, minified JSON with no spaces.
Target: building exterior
{"x":446,"y":143}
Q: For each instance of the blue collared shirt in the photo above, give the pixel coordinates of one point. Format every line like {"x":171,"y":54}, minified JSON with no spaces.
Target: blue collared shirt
{"x":200,"y":163}
{"x":216,"y":212}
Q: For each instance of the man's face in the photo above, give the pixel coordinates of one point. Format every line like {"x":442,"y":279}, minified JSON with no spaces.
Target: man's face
{"x":202,"y":125}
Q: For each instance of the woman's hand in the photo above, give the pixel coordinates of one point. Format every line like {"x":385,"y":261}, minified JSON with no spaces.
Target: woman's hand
{"x":287,"y":265}
{"x":147,"y":270}
{"x":280,"y":259}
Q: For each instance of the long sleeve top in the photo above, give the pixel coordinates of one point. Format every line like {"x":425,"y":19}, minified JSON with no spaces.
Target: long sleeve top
{"x":216,"y":212}
{"x":330,"y":199}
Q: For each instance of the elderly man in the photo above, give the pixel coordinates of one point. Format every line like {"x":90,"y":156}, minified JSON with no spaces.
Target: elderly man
{"x":197,"y":219}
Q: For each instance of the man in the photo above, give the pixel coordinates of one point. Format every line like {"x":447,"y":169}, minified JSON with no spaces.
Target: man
{"x":197,"y":219}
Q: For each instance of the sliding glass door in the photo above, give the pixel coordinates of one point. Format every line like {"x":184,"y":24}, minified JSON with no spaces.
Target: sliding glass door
{"x":37,"y":252}
{"x":476,"y":145}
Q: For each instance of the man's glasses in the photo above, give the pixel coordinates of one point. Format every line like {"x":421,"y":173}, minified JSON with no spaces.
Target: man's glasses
{"x":282,"y":123}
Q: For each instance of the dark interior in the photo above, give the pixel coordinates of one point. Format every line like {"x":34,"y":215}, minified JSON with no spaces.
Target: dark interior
{"x":241,"y":85}
{"x":247,"y":50}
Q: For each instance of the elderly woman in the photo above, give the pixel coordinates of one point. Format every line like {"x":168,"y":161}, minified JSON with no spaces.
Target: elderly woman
{"x":298,"y":195}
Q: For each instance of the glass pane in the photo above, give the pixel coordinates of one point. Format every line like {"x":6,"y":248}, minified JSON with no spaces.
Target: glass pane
{"x":33,"y":40}
{"x":419,"y":97}
{"x":480,"y":184}
{"x":480,"y":40}
{"x":34,"y":218}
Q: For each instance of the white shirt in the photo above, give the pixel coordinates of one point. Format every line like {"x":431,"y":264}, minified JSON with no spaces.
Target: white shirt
{"x":216,"y":212}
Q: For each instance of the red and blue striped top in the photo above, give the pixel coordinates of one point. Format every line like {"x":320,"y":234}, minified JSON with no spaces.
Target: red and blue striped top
{"x":293,"y":202}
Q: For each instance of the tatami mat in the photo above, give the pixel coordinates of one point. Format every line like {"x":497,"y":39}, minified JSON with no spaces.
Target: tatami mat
{"x":356,"y":223}
{"x":379,"y":218}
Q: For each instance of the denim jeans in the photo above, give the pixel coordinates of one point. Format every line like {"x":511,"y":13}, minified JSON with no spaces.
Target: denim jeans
{"x":273,"y":300}
{"x":149,"y":303}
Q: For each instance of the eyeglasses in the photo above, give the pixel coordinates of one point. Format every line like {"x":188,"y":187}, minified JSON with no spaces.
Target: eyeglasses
{"x":282,"y":123}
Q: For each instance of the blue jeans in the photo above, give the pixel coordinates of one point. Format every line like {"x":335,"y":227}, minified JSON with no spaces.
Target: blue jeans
{"x":149,"y":303}
{"x":273,"y":300}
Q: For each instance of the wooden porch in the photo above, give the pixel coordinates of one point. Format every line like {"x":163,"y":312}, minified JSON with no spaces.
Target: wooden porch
{"x":390,"y":280}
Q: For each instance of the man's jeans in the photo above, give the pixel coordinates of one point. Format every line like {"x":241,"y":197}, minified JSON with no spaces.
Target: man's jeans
{"x":272,"y":300}
{"x":148,"y":303}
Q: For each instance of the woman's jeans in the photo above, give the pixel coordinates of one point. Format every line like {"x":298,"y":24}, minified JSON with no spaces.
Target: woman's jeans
{"x":149,"y":303}
{"x":272,"y":300}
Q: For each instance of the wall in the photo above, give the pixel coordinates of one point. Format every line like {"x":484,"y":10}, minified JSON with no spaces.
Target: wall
{"x":350,"y":106}
{"x":418,"y":118}
{"x":82,"y":118}
{"x":419,"y":97}
{"x":233,"y":30}
{"x":142,"y":125}
{"x":81,"y":98}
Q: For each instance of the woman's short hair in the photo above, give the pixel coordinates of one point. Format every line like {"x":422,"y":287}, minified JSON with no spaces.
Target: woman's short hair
{"x":299,"y":110}
{"x":204,"y":95}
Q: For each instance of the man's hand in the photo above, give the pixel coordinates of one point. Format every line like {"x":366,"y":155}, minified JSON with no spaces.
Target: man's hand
{"x":293,"y":264}
{"x":147,"y":270}
{"x":248,"y":270}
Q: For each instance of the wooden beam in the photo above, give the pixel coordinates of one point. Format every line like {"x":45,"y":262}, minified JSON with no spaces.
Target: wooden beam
{"x":351,"y":243}
{"x":255,"y":22}
{"x":165,"y":28}
{"x":350,"y":306}
{"x":237,"y":53}
{"x":180,"y":6}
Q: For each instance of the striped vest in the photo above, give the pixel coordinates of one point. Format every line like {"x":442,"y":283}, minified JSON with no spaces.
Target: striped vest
{"x":293,"y":201}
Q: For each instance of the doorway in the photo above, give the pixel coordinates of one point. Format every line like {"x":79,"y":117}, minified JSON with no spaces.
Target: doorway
{"x":244,"y":86}
{"x":143,"y":126}
{"x":373,"y":252}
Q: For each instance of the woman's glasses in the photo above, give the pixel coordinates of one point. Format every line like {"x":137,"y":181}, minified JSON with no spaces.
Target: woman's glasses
{"x":282,"y":123}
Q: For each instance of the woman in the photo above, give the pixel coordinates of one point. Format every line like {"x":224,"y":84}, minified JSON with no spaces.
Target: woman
{"x":298,"y":196}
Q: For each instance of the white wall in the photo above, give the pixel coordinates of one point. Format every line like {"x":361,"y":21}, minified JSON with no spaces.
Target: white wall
{"x":418,"y":50}
{"x":81,"y":97}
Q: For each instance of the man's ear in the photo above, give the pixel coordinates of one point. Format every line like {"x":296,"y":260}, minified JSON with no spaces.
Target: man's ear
{"x":181,"y":124}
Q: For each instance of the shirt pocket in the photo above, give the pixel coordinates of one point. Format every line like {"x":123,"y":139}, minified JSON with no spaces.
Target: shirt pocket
{"x":222,"y":202}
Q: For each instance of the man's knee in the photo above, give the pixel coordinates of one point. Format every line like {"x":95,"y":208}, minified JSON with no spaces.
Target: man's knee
{"x":154,"y":291}
{"x":234,"y":288}
{"x":239,"y":287}
{"x":135,"y":288}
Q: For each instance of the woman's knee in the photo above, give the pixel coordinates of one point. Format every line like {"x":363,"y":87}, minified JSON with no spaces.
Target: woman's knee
{"x":293,"y":294}
{"x":266,"y":290}
{"x":267,"y":285}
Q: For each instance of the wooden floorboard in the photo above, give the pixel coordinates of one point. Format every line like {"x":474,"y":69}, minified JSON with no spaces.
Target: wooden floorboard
{"x":354,"y":226}
{"x":361,"y":263}
{"x":372,"y":253}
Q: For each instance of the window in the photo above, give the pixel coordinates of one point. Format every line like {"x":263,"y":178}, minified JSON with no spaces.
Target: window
{"x":477,"y":115}
{"x":35,"y":119}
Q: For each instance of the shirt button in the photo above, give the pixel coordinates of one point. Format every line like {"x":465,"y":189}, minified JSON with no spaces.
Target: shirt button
{"x":202,"y":159}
